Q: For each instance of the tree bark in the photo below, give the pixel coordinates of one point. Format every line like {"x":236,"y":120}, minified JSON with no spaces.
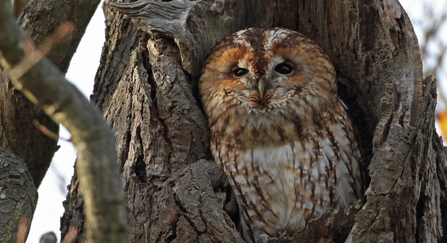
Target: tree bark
{"x":146,"y":88}
{"x":18,"y":195}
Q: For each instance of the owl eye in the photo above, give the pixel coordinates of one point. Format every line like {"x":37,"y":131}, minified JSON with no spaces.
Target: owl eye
{"x":240,"y":72}
{"x":284,"y":68}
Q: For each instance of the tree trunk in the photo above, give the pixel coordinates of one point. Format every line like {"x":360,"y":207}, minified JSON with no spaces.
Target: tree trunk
{"x":146,"y":88}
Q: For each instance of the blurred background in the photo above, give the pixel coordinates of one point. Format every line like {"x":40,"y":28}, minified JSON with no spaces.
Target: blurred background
{"x":429,"y":18}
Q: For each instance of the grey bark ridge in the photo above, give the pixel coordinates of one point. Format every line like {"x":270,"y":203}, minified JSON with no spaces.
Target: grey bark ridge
{"x":196,"y":26}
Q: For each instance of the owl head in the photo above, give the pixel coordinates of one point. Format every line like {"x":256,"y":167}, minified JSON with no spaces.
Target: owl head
{"x":261,"y":71}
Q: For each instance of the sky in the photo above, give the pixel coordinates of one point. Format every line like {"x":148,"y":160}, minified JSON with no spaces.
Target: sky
{"x":82,"y":72}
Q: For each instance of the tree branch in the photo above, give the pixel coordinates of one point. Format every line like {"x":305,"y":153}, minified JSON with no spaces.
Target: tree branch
{"x":97,"y":165}
{"x":40,"y":19}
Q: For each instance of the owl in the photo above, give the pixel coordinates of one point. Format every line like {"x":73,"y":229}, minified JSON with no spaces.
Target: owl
{"x":278,"y":130}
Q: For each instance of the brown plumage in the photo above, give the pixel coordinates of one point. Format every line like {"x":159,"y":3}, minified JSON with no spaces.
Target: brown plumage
{"x":279,"y":130}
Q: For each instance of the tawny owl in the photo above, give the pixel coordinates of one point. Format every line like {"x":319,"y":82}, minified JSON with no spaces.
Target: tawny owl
{"x":279,"y":130}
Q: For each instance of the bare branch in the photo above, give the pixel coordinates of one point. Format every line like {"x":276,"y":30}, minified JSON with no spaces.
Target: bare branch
{"x":33,"y":56}
{"x":70,"y":236}
{"x":97,"y":165}
{"x":23,"y":230}
{"x":40,"y":18}
{"x":45,"y":130}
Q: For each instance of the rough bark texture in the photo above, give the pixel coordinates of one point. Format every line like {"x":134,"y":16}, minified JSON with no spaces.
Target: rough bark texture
{"x":146,"y":85}
{"x":18,"y":195}
{"x":17,"y":132}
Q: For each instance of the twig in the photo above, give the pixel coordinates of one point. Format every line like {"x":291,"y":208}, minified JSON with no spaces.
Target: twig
{"x":33,"y":56}
{"x":71,"y":235}
{"x":23,"y":230}
{"x":43,"y":129}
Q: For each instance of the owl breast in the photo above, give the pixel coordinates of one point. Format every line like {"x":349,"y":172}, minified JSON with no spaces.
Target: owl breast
{"x":278,"y":130}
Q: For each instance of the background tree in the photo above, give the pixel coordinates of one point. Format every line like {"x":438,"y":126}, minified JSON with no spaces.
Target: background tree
{"x":44,"y":85}
{"x":430,"y":25}
{"x":146,"y":88}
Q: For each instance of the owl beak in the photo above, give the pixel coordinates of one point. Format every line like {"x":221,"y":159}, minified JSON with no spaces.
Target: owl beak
{"x":261,"y":87}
